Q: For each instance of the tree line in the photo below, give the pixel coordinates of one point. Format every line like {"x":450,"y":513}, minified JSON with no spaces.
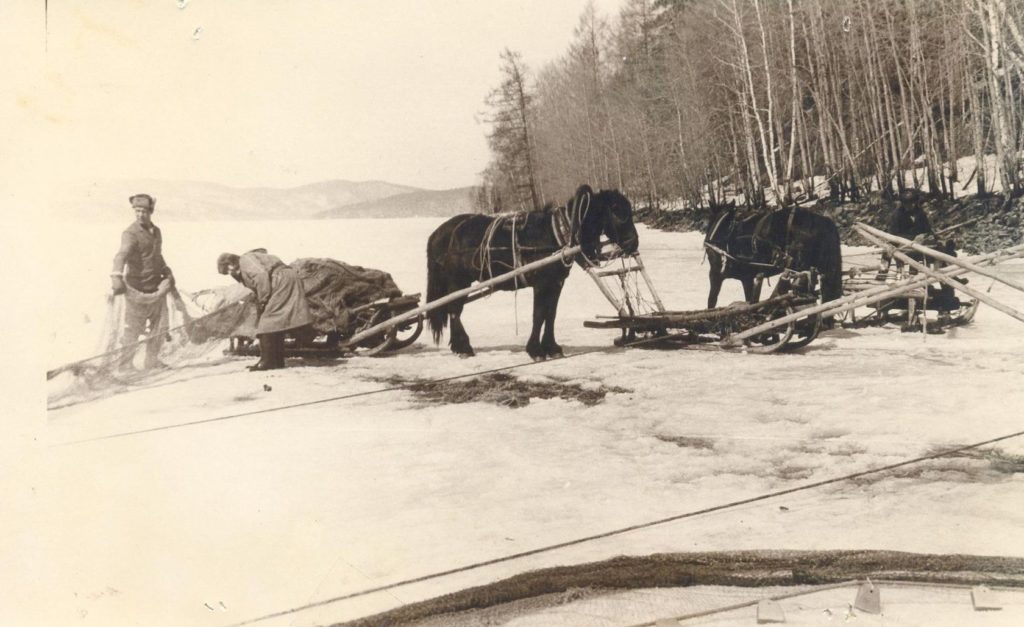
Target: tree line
{"x":776,"y":101}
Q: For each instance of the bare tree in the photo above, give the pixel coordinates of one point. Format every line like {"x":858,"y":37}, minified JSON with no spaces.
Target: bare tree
{"x":510,"y":140}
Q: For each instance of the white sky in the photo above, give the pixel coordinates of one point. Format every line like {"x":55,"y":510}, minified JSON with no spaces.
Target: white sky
{"x":271,"y":93}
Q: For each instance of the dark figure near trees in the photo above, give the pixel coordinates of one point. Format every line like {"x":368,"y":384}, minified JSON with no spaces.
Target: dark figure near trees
{"x":477,"y":247}
{"x":753,"y":248}
{"x":909,"y":220}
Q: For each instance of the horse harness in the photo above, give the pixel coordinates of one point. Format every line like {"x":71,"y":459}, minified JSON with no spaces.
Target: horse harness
{"x":566,"y":222}
{"x":781,"y":258}
{"x":781,"y":254}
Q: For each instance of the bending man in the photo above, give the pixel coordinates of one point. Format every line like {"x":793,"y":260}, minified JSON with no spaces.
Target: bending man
{"x":280,"y":300}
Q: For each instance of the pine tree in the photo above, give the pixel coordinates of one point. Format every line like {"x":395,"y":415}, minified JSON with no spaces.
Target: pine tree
{"x":513,"y":175}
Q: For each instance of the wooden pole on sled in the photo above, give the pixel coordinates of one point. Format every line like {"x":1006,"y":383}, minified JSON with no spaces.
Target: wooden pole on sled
{"x":559,"y":257}
{"x":869,"y":296}
{"x":931,"y":252}
{"x":942,"y":231}
{"x":943,"y":277}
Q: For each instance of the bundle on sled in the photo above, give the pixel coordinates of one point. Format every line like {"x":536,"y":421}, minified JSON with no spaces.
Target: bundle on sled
{"x":343,"y":299}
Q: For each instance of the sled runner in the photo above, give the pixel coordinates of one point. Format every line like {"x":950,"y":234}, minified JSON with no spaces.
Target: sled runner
{"x":910,"y":308}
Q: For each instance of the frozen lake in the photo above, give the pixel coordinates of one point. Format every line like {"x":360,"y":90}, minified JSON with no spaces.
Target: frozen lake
{"x":273,"y":511}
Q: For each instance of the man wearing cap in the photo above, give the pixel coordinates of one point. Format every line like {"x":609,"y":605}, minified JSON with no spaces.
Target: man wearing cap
{"x":280,"y":300}
{"x":141,"y":274}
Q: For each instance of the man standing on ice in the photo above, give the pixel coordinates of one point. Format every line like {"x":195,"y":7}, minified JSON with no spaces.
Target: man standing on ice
{"x":280,"y":300}
{"x":141,"y":274}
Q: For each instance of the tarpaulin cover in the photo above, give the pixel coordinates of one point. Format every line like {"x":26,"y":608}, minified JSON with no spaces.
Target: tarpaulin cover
{"x":334,"y":288}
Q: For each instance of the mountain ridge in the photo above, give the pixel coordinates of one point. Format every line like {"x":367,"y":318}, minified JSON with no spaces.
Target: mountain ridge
{"x":107,"y":200}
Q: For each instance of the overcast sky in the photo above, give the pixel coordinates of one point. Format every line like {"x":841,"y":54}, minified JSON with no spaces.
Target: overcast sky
{"x":278,"y":93}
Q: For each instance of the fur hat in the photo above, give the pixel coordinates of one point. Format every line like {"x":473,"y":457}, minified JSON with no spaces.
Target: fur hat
{"x":143,"y":200}
{"x":224,"y":260}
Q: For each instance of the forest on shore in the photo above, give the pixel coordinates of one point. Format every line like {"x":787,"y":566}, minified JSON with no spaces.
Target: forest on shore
{"x":684,"y":104}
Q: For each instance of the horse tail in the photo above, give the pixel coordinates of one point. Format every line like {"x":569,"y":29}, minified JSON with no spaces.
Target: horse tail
{"x":437,"y":318}
{"x":832,"y":265}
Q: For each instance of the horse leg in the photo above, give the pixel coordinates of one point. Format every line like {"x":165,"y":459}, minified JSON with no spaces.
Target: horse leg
{"x":751,"y":289}
{"x":551,"y":296}
{"x":756,"y":289}
{"x":458,"y":339}
{"x":715,"y":276}
{"x":533,"y":345}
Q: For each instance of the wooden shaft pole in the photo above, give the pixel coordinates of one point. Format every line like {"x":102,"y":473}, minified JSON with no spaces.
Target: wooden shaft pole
{"x":931,"y":252}
{"x":559,"y":257}
{"x":650,"y":285}
{"x":620,"y":305}
{"x":944,"y":278}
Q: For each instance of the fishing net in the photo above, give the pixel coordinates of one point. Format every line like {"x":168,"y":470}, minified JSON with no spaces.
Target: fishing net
{"x":191,"y":328}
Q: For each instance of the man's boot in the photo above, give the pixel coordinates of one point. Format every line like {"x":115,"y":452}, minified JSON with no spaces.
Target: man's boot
{"x":265,"y":350}
{"x":278,"y":356}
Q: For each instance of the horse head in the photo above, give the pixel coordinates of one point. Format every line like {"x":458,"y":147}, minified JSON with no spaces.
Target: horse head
{"x":720,"y":218}
{"x":608,"y":213}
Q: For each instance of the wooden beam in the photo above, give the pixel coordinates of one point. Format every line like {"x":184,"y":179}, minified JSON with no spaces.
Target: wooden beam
{"x":931,"y":252}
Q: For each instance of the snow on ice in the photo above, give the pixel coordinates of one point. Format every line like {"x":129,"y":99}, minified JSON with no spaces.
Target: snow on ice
{"x":272,"y":511}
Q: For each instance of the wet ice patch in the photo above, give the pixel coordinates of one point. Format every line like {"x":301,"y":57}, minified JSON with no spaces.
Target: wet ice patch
{"x":683,"y":441}
{"x":972,"y":466}
{"x":502,"y":389}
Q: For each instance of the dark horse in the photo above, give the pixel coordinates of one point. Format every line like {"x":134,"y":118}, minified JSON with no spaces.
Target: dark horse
{"x":476,"y":247}
{"x":765,"y":245}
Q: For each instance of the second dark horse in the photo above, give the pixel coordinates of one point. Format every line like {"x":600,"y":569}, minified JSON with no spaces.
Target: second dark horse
{"x":475,"y":247}
{"x":765,"y":245}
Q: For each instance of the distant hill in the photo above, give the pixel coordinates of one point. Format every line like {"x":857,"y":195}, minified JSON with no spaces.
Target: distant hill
{"x":419,"y":203}
{"x":105,"y":201}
